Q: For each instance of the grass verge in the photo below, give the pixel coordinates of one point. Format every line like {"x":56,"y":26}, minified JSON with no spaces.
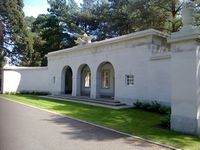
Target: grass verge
{"x":136,"y":122}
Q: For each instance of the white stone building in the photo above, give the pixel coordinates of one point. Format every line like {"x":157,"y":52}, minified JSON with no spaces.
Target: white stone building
{"x":147,"y":65}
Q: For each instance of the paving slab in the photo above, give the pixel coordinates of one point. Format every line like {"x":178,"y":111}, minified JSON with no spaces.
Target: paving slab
{"x":26,"y":128}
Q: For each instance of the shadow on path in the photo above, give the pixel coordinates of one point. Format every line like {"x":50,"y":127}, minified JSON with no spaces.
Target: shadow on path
{"x":79,"y":130}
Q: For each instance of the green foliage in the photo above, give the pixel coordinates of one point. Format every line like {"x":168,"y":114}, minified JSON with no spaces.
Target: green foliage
{"x":154,"y":106}
{"x":172,"y":12}
{"x":15,"y":32}
{"x":38,"y":56}
{"x":132,"y":121}
{"x":10,"y":93}
{"x":33,"y":93}
{"x":102,"y":19}
{"x":165,"y":121}
{"x":55,"y":30}
{"x":29,"y":21}
{"x":107,"y":19}
{"x":197,"y":16}
{"x":27,"y":93}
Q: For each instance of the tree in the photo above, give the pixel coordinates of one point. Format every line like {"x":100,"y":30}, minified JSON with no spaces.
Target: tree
{"x":172,"y":9}
{"x":86,"y":20}
{"x":102,"y":19}
{"x":38,"y":56}
{"x":1,"y":33}
{"x":106,"y":19}
{"x":29,"y":21}
{"x":17,"y":38}
{"x":55,"y":30}
{"x":2,"y":49}
{"x":197,"y":16}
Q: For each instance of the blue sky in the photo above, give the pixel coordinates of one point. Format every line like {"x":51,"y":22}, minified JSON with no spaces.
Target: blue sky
{"x":35,"y":7}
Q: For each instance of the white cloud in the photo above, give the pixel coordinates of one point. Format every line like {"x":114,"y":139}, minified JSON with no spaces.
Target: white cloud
{"x":34,"y":10}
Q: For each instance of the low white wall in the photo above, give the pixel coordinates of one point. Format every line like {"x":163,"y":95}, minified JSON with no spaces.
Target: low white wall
{"x":17,"y":79}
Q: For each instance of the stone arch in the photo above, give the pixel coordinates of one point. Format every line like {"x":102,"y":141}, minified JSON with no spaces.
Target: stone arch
{"x":66,"y":80}
{"x":105,"y":80}
{"x":84,"y":80}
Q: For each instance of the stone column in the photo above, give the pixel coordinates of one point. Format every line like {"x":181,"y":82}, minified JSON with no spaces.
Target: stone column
{"x":93,"y":91}
{"x":185,"y":75}
{"x":74,"y":82}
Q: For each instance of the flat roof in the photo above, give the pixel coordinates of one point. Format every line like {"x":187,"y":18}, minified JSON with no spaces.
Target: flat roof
{"x":134,"y":35}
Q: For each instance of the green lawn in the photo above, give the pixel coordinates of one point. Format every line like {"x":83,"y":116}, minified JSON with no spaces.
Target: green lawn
{"x":132,"y":121}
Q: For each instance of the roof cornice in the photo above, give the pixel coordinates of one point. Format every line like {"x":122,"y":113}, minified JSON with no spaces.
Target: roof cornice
{"x":24,"y":68}
{"x":123,"y":38}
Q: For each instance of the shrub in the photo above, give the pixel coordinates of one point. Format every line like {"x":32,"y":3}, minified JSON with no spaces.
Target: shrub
{"x":165,"y":121}
{"x":23,"y":92}
{"x":41,"y":93}
{"x":146,"y":106}
{"x":28,"y":92}
{"x":154,"y":106}
{"x":10,"y":93}
{"x":138,"y":104}
{"x":164,"y":110}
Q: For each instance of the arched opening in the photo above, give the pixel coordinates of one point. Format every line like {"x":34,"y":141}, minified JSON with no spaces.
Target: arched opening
{"x":105,"y":81}
{"x":84,"y":80}
{"x":67,"y":80}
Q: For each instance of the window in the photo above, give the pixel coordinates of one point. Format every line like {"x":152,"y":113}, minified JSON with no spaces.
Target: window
{"x":105,"y":79}
{"x":54,"y":80}
{"x":129,"y":79}
{"x":87,"y":75}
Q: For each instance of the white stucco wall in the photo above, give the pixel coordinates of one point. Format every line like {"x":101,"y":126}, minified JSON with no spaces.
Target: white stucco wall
{"x":185,"y":87}
{"x":137,"y":54}
{"x":25,"y":79}
{"x":130,"y":54}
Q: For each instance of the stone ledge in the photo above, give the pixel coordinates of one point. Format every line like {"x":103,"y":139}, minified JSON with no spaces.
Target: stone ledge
{"x":160,"y":57}
{"x":187,"y":33}
{"x":135,"y":35}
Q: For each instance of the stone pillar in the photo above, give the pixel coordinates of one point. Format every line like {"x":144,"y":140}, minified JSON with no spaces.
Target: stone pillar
{"x":74,"y":83}
{"x":185,"y":75}
{"x":93,"y":91}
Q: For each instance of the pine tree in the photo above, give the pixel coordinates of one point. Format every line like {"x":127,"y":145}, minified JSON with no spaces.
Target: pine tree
{"x":55,"y":30}
{"x":172,"y":9}
{"x":16,"y":35}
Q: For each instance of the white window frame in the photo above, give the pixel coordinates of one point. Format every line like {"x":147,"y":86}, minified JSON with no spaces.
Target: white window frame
{"x":129,"y":78}
{"x":87,"y":79}
{"x":105,"y":79}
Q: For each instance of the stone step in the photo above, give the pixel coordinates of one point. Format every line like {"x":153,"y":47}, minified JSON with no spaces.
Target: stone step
{"x":89,"y":100}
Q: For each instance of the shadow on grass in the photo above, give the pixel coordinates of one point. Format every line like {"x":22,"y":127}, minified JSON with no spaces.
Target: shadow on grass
{"x":131,"y":121}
